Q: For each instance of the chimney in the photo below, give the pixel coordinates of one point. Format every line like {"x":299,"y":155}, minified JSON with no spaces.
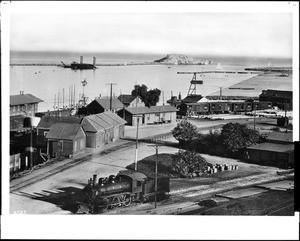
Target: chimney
{"x":81,"y":59}
{"x":94,"y":179}
{"x":179,"y":96}
{"x":94,"y":61}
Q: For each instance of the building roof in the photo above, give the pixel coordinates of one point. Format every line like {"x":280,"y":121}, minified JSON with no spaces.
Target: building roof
{"x":152,"y":109}
{"x":64,"y":131}
{"x":48,"y":121}
{"x":277,"y":93}
{"x":102,"y":121}
{"x":127,"y":99}
{"x":105,"y":103}
{"x":280,"y":136}
{"x":192,"y":98}
{"x":274,"y":147}
{"x":23,"y":99}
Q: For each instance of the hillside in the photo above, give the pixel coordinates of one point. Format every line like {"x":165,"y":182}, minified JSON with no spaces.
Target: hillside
{"x":180,"y":59}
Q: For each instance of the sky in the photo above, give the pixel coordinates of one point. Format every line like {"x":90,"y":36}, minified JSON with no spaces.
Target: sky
{"x":220,"y":33}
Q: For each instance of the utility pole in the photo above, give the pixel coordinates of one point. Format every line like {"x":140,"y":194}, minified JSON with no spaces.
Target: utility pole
{"x":136,"y":144}
{"x":111,"y":84}
{"x":63,"y":105}
{"x":156,"y":146}
{"x":220,"y":93}
{"x":254,"y":115}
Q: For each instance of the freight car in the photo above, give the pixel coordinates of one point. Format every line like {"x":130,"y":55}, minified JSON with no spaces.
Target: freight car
{"x":218,"y":107}
{"x":121,"y":190}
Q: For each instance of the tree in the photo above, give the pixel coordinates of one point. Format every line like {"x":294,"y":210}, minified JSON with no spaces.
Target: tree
{"x":140,"y":90}
{"x":150,"y":98}
{"x":185,"y":132}
{"x":237,"y":137}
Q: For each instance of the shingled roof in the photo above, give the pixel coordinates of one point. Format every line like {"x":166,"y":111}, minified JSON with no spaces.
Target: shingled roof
{"x":105,"y":103}
{"x":152,"y":109}
{"x":126,"y":99}
{"x":280,"y":137}
{"x":48,"y":121}
{"x":64,"y":131}
{"x":274,"y":147}
{"x":23,"y":99}
{"x":102,"y":121}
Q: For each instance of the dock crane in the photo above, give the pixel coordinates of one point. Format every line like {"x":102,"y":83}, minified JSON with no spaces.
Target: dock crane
{"x":194,"y":82}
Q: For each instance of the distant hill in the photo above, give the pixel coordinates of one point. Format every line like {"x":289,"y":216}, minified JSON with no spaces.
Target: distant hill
{"x":180,"y":59}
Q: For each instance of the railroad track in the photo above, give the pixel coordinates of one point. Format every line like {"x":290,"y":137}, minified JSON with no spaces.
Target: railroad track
{"x":66,"y":166}
{"x":77,"y":161}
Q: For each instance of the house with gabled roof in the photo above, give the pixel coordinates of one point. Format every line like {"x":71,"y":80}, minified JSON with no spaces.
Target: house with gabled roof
{"x":24,"y":103}
{"x":149,"y":115}
{"x":131,"y":101}
{"x":66,"y":139}
{"x":100,"y":105}
{"x":102,"y":129}
{"x":47,"y":122}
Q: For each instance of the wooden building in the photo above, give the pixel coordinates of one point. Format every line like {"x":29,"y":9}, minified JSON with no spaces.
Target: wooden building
{"x":102,"y":129}
{"x":23,"y":104}
{"x":65,"y":139}
{"x":131,"y":101}
{"x":280,"y":98}
{"x":277,"y":151}
{"x":152,"y":115}
{"x":47,"y":122}
{"x":100,"y":105}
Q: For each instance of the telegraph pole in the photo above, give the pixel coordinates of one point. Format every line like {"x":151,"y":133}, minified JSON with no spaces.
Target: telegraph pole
{"x":156,"y":146}
{"x":136,"y":144}
{"x":111,"y":84}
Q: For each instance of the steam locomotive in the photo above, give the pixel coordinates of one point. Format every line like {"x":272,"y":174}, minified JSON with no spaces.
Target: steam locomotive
{"x":120,"y":190}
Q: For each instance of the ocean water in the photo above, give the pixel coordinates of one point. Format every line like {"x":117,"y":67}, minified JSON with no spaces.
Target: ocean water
{"x":47,"y":81}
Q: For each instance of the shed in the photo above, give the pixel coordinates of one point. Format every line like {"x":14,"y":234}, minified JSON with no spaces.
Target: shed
{"x":47,"y":121}
{"x":65,"y":139}
{"x":102,"y":129}
{"x":21,"y":103}
{"x":100,"y":105}
{"x":277,"y":151}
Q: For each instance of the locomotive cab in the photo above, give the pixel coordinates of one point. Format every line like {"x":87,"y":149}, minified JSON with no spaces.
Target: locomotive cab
{"x":136,"y":179}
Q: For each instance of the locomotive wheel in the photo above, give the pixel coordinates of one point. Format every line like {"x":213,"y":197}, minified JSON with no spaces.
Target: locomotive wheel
{"x":127,"y":200}
{"x":106,"y":204}
{"x":115,"y":202}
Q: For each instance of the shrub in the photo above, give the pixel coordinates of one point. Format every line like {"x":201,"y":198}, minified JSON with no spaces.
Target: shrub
{"x":236,"y":138}
{"x":185,"y":133}
{"x":187,"y":162}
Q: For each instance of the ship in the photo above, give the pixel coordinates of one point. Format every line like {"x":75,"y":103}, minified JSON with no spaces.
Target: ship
{"x":75,"y":65}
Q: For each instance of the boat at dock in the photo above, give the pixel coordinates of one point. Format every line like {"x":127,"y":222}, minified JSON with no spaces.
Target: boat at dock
{"x":75,"y":65}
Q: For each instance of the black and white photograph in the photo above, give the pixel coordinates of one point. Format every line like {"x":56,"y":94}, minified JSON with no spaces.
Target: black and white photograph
{"x":146,"y":120}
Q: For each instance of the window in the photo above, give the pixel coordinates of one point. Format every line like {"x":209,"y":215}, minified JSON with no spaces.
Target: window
{"x":138,"y":183}
{"x":45,"y":133}
{"x":60,"y":146}
{"x":81,"y":143}
{"x":75,"y":145}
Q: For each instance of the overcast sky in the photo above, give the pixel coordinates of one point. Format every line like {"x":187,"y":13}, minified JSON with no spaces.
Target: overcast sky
{"x":237,"y":34}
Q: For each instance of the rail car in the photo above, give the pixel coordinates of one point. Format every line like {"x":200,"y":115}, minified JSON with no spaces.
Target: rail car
{"x":120,"y":190}
{"x":219,"y":107}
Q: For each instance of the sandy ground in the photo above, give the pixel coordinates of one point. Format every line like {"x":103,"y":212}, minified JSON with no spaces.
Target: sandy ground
{"x":39,"y":198}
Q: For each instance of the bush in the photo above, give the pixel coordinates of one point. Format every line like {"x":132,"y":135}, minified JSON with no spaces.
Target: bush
{"x":236,"y":138}
{"x":185,"y":133}
{"x":188,"y":162}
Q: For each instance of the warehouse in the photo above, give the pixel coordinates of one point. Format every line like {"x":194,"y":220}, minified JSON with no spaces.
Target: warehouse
{"x":100,"y":105}
{"x":102,"y":129}
{"x":152,"y":115}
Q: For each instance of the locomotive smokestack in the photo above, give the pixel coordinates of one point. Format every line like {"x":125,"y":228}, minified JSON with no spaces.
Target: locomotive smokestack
{"x":94,"y":179}
{"x":81,"y":59}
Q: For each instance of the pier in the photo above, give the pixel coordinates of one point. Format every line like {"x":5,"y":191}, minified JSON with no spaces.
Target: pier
{"x":218,"y":71}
